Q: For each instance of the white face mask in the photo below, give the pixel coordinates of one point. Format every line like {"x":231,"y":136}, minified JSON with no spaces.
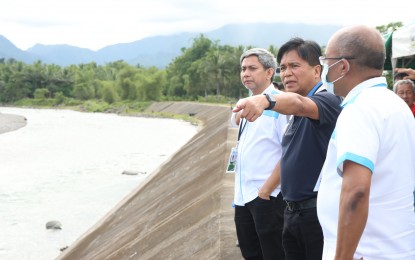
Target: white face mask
{"x":329,"y":85}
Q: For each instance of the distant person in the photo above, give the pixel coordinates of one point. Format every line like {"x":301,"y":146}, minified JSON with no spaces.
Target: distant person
{"x":304,"y":145}
{"x":405,"y":89}
{"x":258,"y":208}
{"x":365,"y":201}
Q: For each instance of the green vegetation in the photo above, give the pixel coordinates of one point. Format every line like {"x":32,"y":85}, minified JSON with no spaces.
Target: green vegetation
{"x":390,"y":27}
{"x":204,"y":72}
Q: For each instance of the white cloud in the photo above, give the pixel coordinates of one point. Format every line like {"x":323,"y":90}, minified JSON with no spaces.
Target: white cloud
{"x":97,"y":23}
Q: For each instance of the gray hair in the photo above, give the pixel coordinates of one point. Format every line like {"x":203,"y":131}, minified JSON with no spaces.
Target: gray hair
{"x":266,"y":58}
{"x":403,"y":82}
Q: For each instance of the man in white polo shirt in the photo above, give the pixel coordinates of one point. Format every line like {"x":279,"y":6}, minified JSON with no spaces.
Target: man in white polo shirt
{"x":258,"y":207}
{"x":365,"y":198}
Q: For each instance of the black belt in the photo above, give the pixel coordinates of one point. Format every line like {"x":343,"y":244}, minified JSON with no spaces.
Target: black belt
{"x":299,"y":205}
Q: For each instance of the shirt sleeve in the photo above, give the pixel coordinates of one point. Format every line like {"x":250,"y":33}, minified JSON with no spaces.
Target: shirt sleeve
{"x":328,"y":107}
{"x":357,"y":137}
{"x":233,"y":123}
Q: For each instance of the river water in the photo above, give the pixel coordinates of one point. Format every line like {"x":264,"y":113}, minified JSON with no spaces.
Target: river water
{"x":66,"y":166}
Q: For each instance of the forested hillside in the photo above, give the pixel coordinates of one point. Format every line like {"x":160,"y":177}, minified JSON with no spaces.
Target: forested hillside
{"x":203,"y":70}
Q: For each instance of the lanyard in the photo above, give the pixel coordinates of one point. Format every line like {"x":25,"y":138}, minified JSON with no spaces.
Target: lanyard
{"x":241,"y":127}
{"x":314,"y":89}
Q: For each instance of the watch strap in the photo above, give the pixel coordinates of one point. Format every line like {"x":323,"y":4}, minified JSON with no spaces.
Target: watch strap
{"x":271,"y":101}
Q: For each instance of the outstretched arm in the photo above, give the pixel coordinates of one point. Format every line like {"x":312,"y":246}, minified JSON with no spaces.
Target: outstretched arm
{"x":286,"y":103}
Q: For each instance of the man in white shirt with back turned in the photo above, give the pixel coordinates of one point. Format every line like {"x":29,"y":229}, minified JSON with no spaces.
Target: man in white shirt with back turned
{"x":365,"y":198}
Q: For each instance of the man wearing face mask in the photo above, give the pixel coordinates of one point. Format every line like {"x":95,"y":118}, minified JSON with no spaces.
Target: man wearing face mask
{"x":304,"y":144}
{"x":323,"y":60}
{"x":365,"y":200}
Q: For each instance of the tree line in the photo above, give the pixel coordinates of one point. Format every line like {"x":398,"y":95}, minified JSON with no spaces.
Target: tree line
{"x":206,"y":71}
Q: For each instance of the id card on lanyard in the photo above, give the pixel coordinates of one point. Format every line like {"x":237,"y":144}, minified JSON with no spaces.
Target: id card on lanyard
{"x":234,"y":151}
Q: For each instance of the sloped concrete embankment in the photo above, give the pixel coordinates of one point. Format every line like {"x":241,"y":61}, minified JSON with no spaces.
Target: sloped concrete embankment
{"x":182,"y":210}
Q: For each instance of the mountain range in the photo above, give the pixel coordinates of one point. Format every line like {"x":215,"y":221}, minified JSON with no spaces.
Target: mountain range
{"x":159,"y":51}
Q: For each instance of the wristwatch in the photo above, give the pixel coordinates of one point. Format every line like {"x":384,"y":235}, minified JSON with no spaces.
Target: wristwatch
{"x":271,"y":100}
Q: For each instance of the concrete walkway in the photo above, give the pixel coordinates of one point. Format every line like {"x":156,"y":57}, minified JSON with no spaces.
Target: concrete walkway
{"x":183,"y":210}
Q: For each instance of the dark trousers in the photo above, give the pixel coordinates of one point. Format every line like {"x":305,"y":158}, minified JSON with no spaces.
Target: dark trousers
{"x":302,"y":235}
{"x":259,"y":228}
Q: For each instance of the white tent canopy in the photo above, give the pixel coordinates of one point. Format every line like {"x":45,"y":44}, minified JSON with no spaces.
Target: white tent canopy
{"x":403,"y":46}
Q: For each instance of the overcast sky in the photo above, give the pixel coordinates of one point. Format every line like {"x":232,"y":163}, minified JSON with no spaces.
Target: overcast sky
{"x":95,"y":24}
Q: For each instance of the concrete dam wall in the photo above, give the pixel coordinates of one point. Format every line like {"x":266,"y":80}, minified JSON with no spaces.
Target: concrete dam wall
{"x":183,"y":210}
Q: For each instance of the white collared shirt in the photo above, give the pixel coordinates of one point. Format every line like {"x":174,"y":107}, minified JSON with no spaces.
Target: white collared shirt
{"x":375,"y":129}
{"x":259,"y":150}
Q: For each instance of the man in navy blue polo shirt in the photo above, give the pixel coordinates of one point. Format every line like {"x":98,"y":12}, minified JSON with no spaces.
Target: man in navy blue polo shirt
{"x":304,"y":144}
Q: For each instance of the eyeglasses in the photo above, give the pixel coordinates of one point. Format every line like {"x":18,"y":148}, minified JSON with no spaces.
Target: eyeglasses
{"x":323,"y":59}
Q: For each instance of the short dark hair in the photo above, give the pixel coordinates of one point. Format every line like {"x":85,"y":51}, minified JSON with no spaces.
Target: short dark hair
{"x":309,"y":51}
{"x":399,"y":76}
